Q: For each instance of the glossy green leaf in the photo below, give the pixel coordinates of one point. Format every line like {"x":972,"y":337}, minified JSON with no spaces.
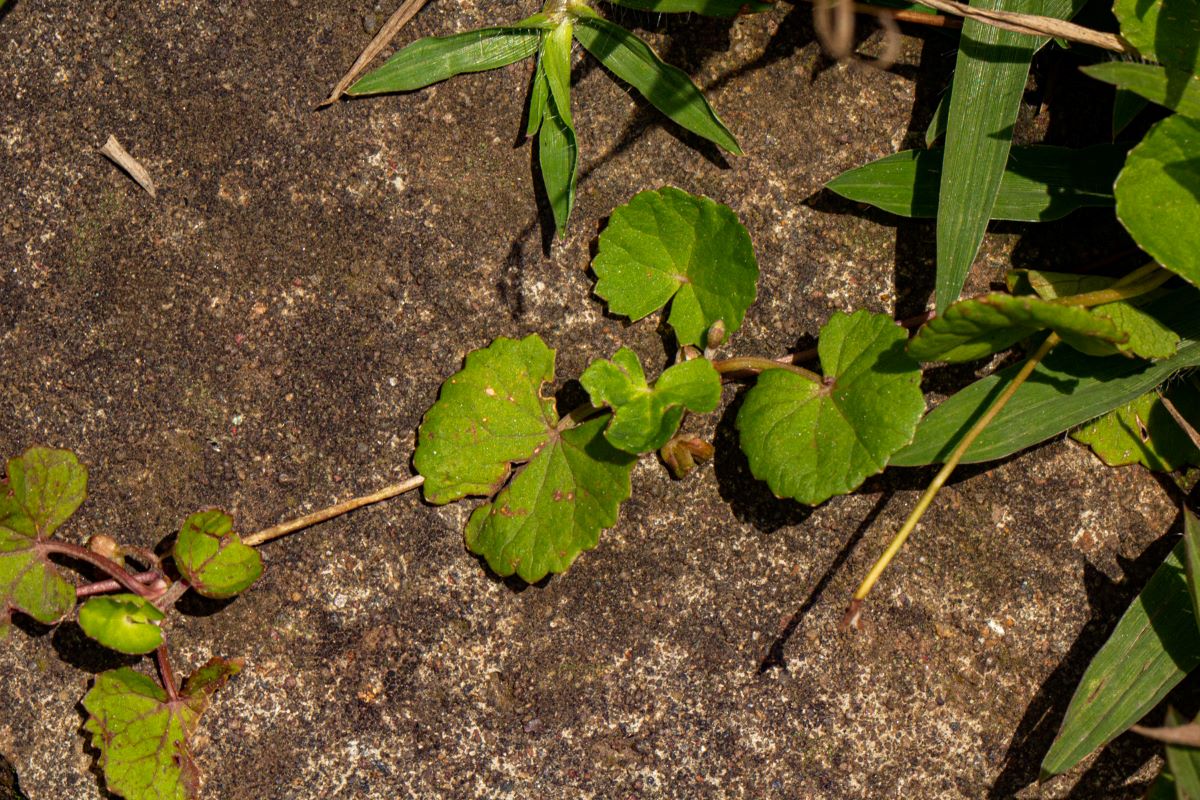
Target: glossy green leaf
{"x":989,"y":81}
{"x":555,"y":506}
{"x":811,"y":440}
{"x":123,"y":622}
{"x":669,"y":89}
{"x":670,"y":246}
{"x":556,"y":66}
{"x":709,"y":8}
{"x":1158,"y":195}
{"x":1067,"y":389}
{"x":645,"y":418}
{"x":975,"y":328}
{"x":142,"y":735}
{"x":1153,"y":647}
{"x":558,"y":146}
{"x":1164,"y":30}
{"x":539,"y":96}
{"x":1175,"y":89}
{"x":436,"y":58}
{"x":488,"y":415}
{"x":1144,"y":432}
{"x":1183,"y":762}
{"x":1041,"y":183}
{"x":212,"y":558}
{"x":43,"y":489}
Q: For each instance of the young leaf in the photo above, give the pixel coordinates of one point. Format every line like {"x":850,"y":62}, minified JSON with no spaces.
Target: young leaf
{"x":1158,"y":195}
{"x":810,"y":440}
{"x":1154,"y":646}
{"x":709,"y":8}
{"x":488,"y":415}
{"x":556,"y":506}
{"x":669,"y":89}
{"x":1144,"y":432}
{"x":989,"y":81}
{"x":644,"y":419}
{"x":558,"y":147}
{"x":142,"y":735}
{"x":1067,"y":389}
{"x":539,"y":95}
{"x":1164,"y":31}
{"x":1040,"y":183}
{"x":123,"y":622}
{"x":436,"y":58}
{"x":972,"y":329}
{"x":670,"y":246}
{"x":212,"y":558}
{"x":1183,"y":762}
{"x":1176,"y":89}
{"x":43,"y":489}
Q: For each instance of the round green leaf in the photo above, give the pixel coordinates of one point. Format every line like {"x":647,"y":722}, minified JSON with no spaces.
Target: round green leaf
{"x":42,"y":490}
{"x":1144,"y":432}
{"x":556,"y":505}
{"x":972,"y":329}
{"x":811,"y":440}
{"x":1163,"y":30}
{"x":212,"y":558}
{"x":123,"y":622}
{"x":1158,"y":195}
{"x":671,"y":246}
{"x":645,"y":418}
{"x":488,"y":415}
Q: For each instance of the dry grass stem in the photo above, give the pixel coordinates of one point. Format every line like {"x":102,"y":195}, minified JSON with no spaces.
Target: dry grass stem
{"x":120,"y":156}
{"x":407,"y":10}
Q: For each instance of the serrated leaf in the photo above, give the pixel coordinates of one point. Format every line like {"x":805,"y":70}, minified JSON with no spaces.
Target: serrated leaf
{"x":1067,"y":389}
{"x":1144,"y":432}
{"x":989,"y":81}
{"x":1158,"y":195}
{"x":212,"y":558}
{"x":555,"y":507}
{"x":812,"y":440}
{"x":142,"y":735}
{"x":436,"y":58}
{"x":670,"y":246}
{"x":1154,"y":646}
{"x":123,"y":622}
{"x":488,"y":415}
{"x":709,"y":8}
{"x":972,"y":329}
{"x":558,"y":146}
{"x":1164,"y":30}
{"x":1040,"y":183}
{"x":43,"y":489}
{"x":1176,"y":89}
{"x":645,"y":418}
{"x":668,"y":88}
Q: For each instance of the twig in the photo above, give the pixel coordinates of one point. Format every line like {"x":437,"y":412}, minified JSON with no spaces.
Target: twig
{"x":120,"y":156}
{"x":407,"y":10}
{"x":1035,"y":25}
{"x":1180,"y":420}
{"x":284,"y":528}
{"x":1186,"y":735}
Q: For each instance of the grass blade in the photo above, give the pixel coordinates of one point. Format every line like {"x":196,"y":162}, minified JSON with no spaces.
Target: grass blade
{"x":558,"y":148}
{"x":1154,"y":646}
{"x":669,"y":89}
{"x":1040,"y":183}
{"x":539,"y":94}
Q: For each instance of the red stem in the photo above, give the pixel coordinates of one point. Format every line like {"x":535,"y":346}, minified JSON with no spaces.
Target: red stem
{"x":103,"y":563}
{"x":166,"y":673}
{"x":104,"y":587}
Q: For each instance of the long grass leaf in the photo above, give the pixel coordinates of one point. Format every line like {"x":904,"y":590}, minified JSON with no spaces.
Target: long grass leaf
{"x":436,"y":58}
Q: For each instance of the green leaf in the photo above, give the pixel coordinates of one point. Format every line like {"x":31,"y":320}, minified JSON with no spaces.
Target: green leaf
{"x":43,"y":489}
{"x":212,"y":558}
{"x":670,"y":246}
{"x":1144,"y":432}
{"x":558,"y":146}
{"x":1191,"y":547}
{"x":556,"y":505}
{"x":1175,"y":89}
{"x":1126,"y":107}
{"x":810,"y":440}
{"x":669,"y":89}
{"x":972,"y":329}
{"x":539,"y":95}
{"x":1041,"y":183}
{"x":488,"y":415}
{"x":123,"y":622}
{"x":1153,"y":647}
{"x":989,"y":81}
{"x":1065,"y":390}
{"x":709,"y":8}
{"x":937,"y":125}
{"x":436,"y":58}
{"x":645,"y":418}
{"x":556,"y":65}
{"x":1163,"y":787}
{"x":142,"y":735}
{"x":1158,"y":195}
{"x":1183,"y":762}
{"x":1171,"y":43}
